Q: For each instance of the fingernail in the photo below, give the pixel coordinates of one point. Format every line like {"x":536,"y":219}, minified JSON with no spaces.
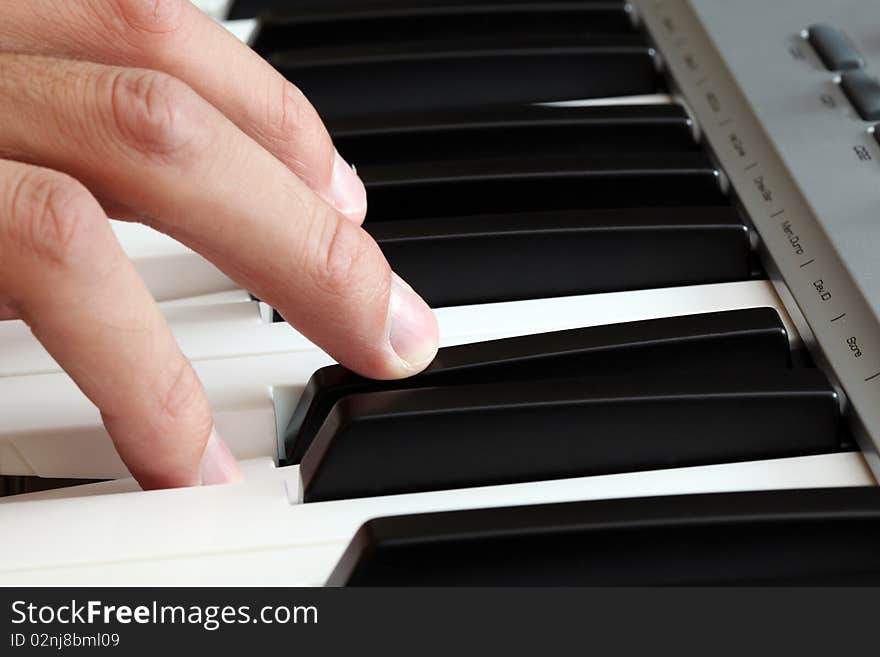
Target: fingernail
{"x":218,"y":464}
{"x":348,"y":191}
{"x":413,"y":331}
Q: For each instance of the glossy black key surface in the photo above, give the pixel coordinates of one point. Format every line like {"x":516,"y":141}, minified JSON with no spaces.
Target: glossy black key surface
{"x":782,"y":538}
{"x":386,"y":443}
{"x":487,"y":259}
{"x":738,"y":339}
{"x":516,"y":133}
{"x":253,"y":8}
{"x":503,"y":187}
{"x":374,"y":80}
{"x":438,"y":22}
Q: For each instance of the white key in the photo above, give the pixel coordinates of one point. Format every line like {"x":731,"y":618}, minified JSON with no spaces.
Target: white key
{"x":244,"y":28}
{"x":253,"y":390}
{"x":218,"y":9}
{"x":203,"y":331}
{"x":645,"y":99}
{"x":169,"y":269}
{"x":233,"y":296}
{"x":253,"y":533}
{"x":242,"y":327}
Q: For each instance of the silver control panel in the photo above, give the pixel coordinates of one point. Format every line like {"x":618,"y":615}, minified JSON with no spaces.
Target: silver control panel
{"x":783,"y":92}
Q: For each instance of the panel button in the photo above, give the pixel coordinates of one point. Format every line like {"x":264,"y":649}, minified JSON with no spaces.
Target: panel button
{"x":863,"y":91}
{"x":835,"y":50}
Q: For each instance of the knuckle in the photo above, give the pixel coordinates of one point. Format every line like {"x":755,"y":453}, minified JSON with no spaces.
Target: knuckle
{"x":148,"y":17}
{"x":345,"y":257}
{"x":156,"y":114}
{"x":53,"y":217}
{"x":292,"y":122}
{"x":182,"y":399}
{"x":288,"y":114}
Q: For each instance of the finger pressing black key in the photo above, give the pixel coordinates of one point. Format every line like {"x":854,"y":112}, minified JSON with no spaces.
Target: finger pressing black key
{"x":712,"y":342}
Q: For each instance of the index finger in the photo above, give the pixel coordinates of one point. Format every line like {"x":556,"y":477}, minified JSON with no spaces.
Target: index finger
{"x":173,"y":36}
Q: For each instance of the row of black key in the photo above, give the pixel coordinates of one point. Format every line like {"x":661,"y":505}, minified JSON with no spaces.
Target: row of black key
{"x":490,"y":206}
{"x":676,"y":392}
{"x":368,"y":59}
{"x":476,"y":196}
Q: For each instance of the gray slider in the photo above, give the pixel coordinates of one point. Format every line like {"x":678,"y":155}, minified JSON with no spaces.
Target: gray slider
{"x":863,"y":91}
{"x":835,"y":50}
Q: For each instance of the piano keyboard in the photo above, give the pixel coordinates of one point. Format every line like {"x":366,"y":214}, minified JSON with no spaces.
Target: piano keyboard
{"x":639,"y":294}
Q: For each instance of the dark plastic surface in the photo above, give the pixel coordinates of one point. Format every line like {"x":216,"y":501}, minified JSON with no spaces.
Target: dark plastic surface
{"x":469,"y":188}
{"x":739,"y":339}
{"x":394,"y":78}
{"x":802,"y":537}
{"x":425,"y":25}
{"x":516,"y":133}
{"x":487,"y":259}
{"x":385,"y":443}
{"x":253,"y":8}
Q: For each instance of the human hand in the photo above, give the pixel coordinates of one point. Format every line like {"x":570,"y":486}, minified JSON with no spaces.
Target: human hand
{"x":149,"y":111}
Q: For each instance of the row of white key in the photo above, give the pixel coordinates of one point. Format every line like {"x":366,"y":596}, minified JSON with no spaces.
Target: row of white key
{"x":258,"y":533}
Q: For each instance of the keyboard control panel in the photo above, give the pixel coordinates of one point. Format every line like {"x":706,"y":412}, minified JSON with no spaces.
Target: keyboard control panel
{"x":789,"y":119}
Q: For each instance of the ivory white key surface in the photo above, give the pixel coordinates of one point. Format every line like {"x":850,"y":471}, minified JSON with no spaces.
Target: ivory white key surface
{"x":50,"y":429}
{"x":218,"y":9}
{"x":643,"y":99}
{"x":243,"y":28}
{"x":256,"y":532}
{"x":170,"y":269}
{"x":232,"y":296}
{"x":226,"y":330}
{"x":203,"y":331}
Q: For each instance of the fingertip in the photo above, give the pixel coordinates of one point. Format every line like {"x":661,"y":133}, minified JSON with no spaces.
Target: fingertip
{"x":347,"y":192}
{"x":218,"y":464}
{"x":412,"y":329}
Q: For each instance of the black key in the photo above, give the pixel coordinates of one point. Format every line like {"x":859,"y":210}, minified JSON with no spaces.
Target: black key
{"x":738,"y":339}
{"x":386,"y":443}
{"x":532,"y":255}
{"x":427,"y":24}
{"x":501,"y":187}
{"x":782,"y":538}
{"x":516,"y":133}
{"x":252,"y":8}
{"x":350,"y":82}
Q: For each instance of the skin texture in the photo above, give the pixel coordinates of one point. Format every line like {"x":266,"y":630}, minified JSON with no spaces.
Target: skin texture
{"x":149,"y":111}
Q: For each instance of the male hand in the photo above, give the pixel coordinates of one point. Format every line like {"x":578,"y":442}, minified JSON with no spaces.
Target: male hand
{"x":149,"y":111}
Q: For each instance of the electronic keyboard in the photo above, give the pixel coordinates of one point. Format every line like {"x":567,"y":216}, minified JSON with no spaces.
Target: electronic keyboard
{"x":648,"y":229}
